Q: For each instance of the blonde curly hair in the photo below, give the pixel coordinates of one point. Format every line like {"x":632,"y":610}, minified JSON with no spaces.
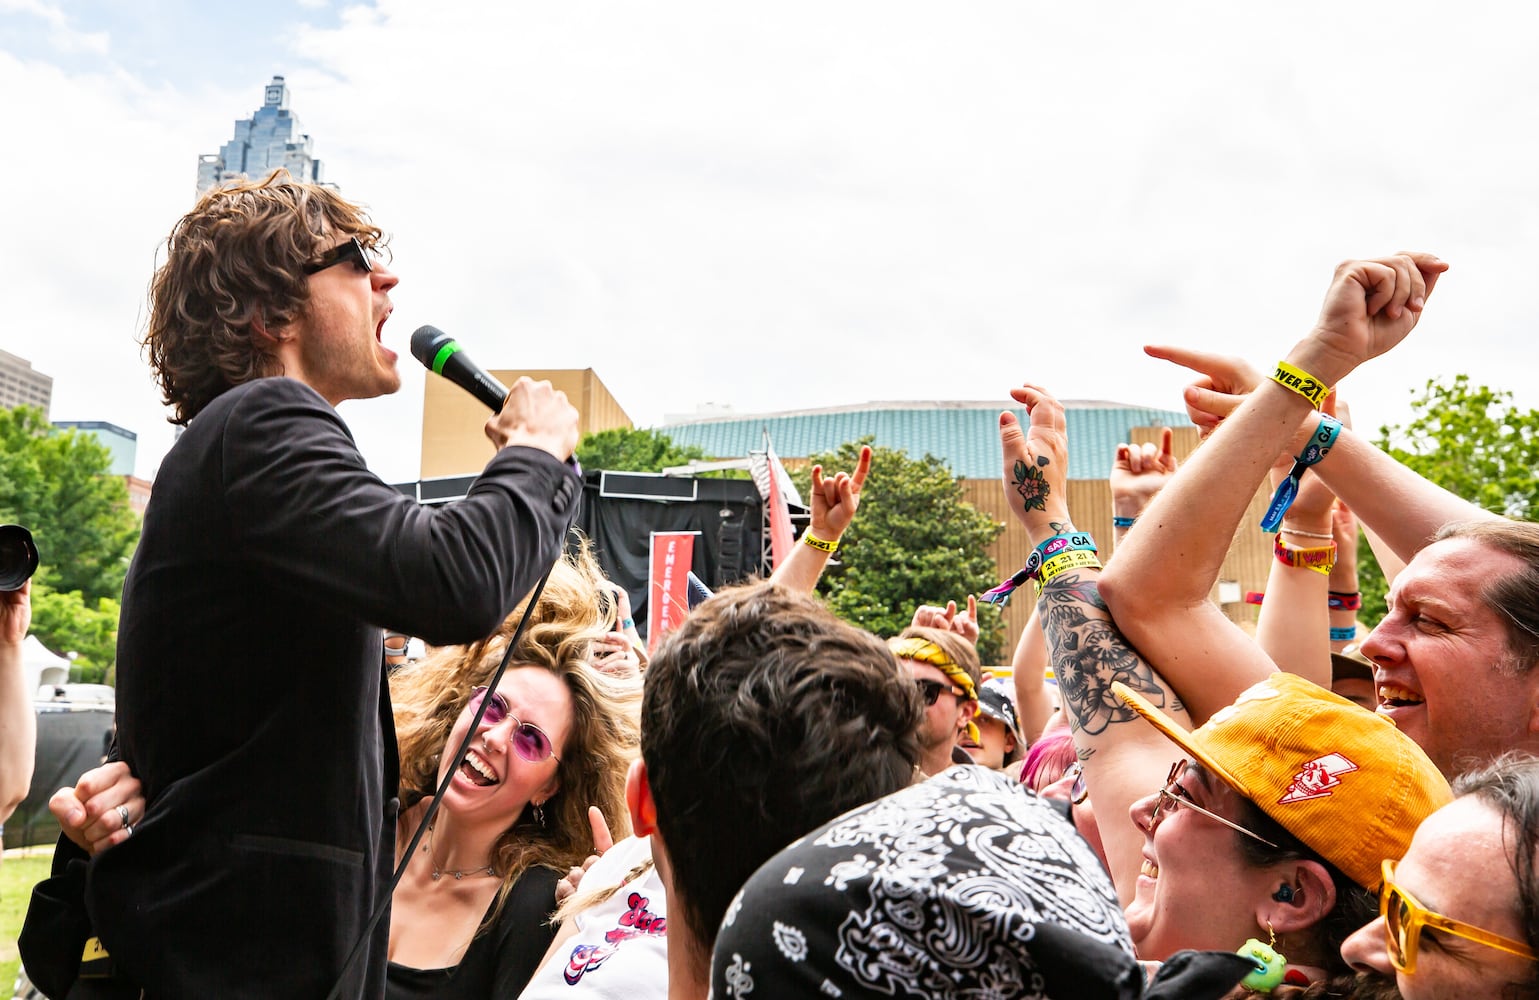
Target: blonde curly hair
{"x":603,"y":739}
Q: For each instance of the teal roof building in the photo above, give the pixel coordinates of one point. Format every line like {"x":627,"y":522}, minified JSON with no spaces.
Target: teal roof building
{"x":965,"y":435}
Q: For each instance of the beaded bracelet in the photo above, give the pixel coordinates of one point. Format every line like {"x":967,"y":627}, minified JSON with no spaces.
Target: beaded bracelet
{"x":1318,"y":447}
{"x":1345,"y":634}
{"x":1321,"y":559}
{"x":818,"y":543}
{"x":1345,"y":602}
{"x":1123,"y":522}
{"x":1299,"y":381}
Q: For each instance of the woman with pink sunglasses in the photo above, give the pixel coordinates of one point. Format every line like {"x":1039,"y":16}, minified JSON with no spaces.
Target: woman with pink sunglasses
{"x":471,"y":915}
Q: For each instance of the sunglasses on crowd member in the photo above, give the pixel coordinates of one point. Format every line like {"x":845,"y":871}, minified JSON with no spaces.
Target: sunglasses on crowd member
{"x":353,"y":252}
{"x":529,"y":740}
{"x":1078,"y":792}
{"x":1173,"y":795}
{"x":930,"y":690}
{"x":1404,"y":919}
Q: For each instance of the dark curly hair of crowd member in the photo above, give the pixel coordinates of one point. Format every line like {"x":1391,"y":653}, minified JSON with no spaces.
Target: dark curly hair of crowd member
{"x":764,"y":717}
{"x":234,"y":272}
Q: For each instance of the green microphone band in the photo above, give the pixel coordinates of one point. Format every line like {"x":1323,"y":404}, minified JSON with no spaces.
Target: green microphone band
{"x":444,"y":354}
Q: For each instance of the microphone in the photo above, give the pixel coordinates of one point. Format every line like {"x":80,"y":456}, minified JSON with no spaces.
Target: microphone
{"x":442,"y":355}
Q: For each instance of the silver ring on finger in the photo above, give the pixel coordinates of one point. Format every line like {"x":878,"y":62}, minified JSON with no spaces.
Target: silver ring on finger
{"x":123,"y":815}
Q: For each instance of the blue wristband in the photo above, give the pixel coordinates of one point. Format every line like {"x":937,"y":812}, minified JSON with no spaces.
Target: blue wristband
{"x":1318,"y":447}
{"x":627,"y":623}
{"x":1344,"y":634}
{"x":1065,"y":541}
{"x":1123,"y":522}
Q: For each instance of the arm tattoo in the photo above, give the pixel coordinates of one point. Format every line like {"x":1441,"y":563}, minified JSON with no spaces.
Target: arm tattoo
{"x":1088,"y":653}
{"x":1031,"y":484}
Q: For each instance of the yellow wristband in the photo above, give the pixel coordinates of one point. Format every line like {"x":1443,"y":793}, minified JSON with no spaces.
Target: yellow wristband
{"x":1299,"y":381}
{"x":818,"y":543}
{"x":1321,"y":559}
{"x":1065,"y":561}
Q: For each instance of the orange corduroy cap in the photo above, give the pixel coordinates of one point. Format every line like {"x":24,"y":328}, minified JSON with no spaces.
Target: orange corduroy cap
{"x":1340,"y":778}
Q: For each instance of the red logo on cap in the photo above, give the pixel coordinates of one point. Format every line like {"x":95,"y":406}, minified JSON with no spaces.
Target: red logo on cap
{"x":1317,"y":778}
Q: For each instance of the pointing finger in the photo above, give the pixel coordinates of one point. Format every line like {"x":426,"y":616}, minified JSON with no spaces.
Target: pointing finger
{"x":602,"y":839}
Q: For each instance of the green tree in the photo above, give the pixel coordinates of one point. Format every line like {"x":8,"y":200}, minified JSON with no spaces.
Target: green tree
{"x":1474,"y":442}
{"x":624,"y":449}
{"x":915,"y":541}
{"x":57,"y":484}
{"x":68,"y":623}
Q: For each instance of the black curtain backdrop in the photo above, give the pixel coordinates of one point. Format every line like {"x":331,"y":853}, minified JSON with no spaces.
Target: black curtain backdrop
{"x":727,"y":513}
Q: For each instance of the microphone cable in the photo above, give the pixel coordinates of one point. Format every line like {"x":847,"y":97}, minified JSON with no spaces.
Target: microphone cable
{"x":443,"y":786}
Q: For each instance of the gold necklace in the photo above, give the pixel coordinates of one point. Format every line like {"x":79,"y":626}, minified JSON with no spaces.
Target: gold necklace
{"x":439,"y":873}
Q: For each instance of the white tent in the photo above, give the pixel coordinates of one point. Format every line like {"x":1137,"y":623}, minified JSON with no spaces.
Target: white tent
{"x":41,"y":666}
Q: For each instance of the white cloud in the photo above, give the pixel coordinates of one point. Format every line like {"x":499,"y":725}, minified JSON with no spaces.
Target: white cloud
{"x":808,"y":204}
{"x":62,"y":33}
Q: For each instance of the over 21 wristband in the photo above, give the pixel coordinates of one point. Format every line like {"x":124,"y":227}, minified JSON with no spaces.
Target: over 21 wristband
{"x":1066,"y":543}
{"x":1299,"y":381}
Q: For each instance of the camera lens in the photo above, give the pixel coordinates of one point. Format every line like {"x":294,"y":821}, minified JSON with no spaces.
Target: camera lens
{"x":18,"y":556}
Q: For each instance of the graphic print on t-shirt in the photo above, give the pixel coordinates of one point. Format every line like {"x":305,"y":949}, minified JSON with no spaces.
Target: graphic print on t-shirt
{"x":636,"y":921}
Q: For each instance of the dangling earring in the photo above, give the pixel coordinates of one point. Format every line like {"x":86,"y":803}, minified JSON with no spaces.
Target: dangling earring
{"x":1271,"y":965}
{"x":539,"y":814}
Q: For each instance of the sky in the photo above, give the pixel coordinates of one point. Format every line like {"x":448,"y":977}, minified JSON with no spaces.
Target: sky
{"x":793,"y":205}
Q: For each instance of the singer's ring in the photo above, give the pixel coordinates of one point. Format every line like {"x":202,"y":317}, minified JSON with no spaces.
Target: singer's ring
{"x":123,"y":815}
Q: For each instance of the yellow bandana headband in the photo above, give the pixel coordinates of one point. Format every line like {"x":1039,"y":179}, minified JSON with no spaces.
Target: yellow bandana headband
{"x":925,"y":651}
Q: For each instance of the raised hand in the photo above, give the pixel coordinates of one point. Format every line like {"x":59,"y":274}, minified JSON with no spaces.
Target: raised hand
{"x":614,"y":654}
{"x":536,"y":415}
{"x":947,"y":619}
{"x":1222,"y":383}
{"x":1369,"y":308}
{"x":602,"y":842}
{"x":1036,"y":462}
{"x":15,"y":614}
{"x":835,"y":501}
{"x":1139,"y":472}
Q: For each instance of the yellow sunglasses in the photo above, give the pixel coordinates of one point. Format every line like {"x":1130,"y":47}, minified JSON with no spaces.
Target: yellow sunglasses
{"x":1404,"y":919}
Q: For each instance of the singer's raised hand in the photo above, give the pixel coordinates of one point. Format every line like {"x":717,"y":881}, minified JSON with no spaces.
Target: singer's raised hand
{"x":536,"y":415}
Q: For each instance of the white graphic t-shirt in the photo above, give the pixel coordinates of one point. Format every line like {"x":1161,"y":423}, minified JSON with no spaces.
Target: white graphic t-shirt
{"x":620,"y":949}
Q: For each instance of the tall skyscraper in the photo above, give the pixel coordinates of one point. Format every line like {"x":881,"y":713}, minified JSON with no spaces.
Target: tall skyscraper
{"x":269,"y":139}
{"x":19,"y":384}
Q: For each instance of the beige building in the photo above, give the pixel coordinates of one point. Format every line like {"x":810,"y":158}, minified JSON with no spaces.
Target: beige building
{"x":453,"y":442}
{"x":20,"y":385}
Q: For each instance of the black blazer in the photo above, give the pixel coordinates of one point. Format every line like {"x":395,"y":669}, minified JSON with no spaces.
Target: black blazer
{"x":250,"y":698}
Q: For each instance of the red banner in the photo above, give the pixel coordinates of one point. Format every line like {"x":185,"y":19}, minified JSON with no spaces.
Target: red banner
{"x":672,"y":552}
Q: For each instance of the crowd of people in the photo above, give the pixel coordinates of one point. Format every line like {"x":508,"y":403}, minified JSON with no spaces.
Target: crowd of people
{"x":1148,"y":801}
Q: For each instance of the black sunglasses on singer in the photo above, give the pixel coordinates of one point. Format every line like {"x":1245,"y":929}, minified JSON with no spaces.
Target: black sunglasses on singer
{"x":353,"y":252}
